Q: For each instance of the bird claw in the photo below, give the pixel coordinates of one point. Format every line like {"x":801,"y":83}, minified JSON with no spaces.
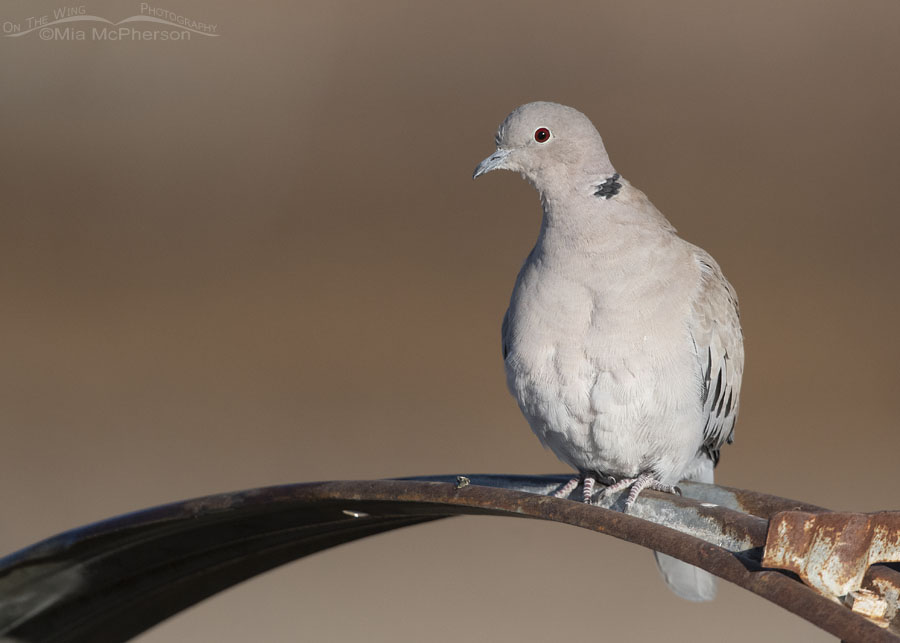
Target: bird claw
{"x":566,"y":489}
{"x":588,"y":493}
{"x":637,"y":485}
{"x":612,"y":485}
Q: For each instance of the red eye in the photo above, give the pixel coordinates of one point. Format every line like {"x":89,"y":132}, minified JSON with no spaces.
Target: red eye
{"x":542,"y":135}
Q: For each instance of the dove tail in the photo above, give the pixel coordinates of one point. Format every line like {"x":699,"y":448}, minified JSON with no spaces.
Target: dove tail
{"x":688,"y":581}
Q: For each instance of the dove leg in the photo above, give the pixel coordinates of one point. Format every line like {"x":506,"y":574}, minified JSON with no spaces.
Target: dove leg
{"x":566,"y":489}
{"x":588,"y":488}
{"x":643,"y":481}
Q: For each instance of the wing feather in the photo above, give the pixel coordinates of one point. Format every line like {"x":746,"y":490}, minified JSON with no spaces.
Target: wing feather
{"x":719,"y":345}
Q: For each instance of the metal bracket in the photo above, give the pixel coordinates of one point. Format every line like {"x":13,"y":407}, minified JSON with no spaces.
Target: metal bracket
{"x":832,"y":552}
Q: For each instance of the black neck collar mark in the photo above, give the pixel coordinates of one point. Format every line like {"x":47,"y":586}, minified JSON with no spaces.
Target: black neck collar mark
{"x":609,"y":188}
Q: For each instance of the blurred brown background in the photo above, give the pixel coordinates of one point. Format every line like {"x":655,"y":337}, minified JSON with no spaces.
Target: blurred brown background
{"x":260,"y":259}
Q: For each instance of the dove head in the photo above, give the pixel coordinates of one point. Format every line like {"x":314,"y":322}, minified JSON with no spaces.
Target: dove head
{"x":549,"y":145}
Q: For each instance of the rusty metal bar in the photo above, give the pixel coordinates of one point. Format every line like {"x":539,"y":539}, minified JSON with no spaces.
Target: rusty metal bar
{"x":110,"y":581}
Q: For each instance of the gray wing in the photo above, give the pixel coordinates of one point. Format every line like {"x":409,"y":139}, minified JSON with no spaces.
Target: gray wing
{"x":719,"y":345}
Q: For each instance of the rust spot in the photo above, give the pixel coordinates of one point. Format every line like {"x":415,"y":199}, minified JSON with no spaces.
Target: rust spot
{"x":765,"y":506}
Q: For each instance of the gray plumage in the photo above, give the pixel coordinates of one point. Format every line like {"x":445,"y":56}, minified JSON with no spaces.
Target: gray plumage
{"x":622,"y":342}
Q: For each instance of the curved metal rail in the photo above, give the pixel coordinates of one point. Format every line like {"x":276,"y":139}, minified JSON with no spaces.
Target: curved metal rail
{"x":112,"y":580}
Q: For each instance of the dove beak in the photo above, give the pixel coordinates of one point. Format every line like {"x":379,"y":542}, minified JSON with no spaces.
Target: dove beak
{"x":496,"y":161}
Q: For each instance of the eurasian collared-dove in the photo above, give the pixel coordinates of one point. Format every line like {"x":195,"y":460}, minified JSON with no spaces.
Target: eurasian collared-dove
{"x":622,"y":341}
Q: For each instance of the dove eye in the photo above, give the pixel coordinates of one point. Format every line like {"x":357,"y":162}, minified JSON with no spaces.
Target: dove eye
{"x":542,"y":135}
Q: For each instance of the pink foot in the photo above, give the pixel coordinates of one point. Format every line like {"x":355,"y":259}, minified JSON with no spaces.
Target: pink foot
{"x":643,"y":481}
{"x":569,"y":487}
{"x":566,"y":489}
{"x":588,"y":489}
